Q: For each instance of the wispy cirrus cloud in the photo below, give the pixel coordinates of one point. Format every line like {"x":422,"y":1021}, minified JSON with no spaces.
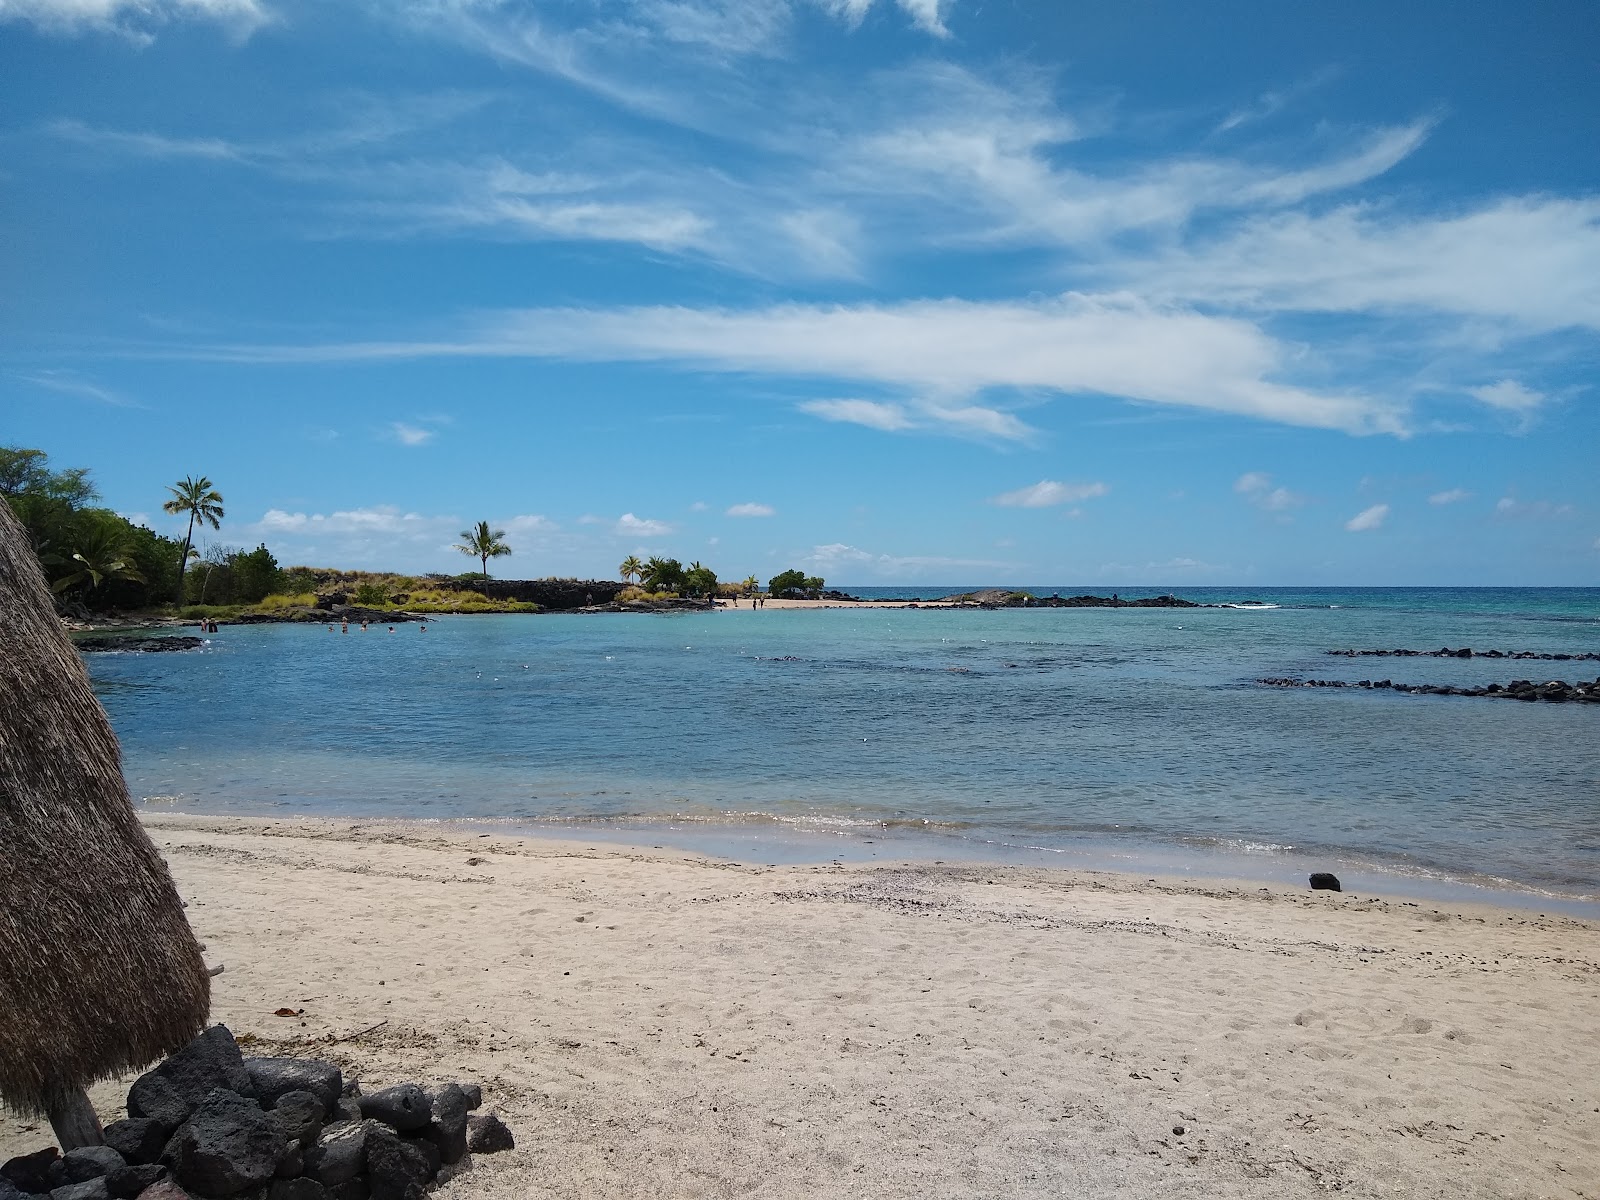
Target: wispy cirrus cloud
{"x":751,"y":510}
{"x":944,"y":353}
{"x":1451,"y":496}
{"x":137,"y":20}
{"x":1049,"y":492}
{"x":70,"y":383}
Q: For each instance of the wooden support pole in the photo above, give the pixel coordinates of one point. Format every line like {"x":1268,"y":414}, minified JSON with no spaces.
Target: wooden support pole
{"x":73,"y":1119}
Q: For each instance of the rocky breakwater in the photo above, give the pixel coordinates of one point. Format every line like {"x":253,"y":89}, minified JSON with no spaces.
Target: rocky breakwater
{"x":210,"y":1123}
{"x":1554,"y":690}
{"x":1466,"y":652}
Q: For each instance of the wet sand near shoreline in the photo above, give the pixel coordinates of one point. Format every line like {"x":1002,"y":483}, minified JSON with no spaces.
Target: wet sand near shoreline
{"x":652,"y":1023}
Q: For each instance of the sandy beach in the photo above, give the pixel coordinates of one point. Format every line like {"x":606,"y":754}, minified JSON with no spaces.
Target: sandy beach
{"x":654,"y":1024}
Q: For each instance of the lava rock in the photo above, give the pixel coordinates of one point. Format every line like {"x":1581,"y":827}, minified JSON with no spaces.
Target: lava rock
{"x":227,"y":1145}
{"x":487,"y":1134}
{"x":297,"y":1189}
{"x":10,"y":1191}
{"x":340,"y":1153}
{"x":351,"y":1189}
{"x":448,"y":1129}
{"x":30,"y":1172}
{"x":346,"y":1110}
{"x":474,"y":1095}
{"x":291,"y":1161}
{"x":299,"y":1116}
{"x":272,"y":1078}
{"x":1321,"y":881}
{"x":127,"y":1182}
{"x":137,"y":1139}
{"x":395,"y":1170}
{"x":173,"y":1090}
{"x":165,"y":1189}
{"x":351,"y":1088}
{"x":405,"y":1107}
{"x":88,"y":1189}
{"x":90,"y":1162}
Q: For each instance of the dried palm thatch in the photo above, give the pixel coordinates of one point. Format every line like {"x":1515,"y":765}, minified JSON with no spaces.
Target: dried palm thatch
{"x":99,"y":970}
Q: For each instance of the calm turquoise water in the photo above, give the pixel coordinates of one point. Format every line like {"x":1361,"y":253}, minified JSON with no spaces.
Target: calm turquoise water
{"x":1083,"y":736}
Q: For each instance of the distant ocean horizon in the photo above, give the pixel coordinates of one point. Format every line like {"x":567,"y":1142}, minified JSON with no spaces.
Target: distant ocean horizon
{"x":1127,"y":738}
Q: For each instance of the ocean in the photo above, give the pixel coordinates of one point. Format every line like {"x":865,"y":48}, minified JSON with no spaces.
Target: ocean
{"x":1131,"y":739}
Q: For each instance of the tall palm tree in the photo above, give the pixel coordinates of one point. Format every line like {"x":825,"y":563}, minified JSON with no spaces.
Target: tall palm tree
{"x":483,"y":544}
{"x":203,"y":503}
{"x":631,"y":568}
{"x":101,"y":553}
{"x":751,"y":585}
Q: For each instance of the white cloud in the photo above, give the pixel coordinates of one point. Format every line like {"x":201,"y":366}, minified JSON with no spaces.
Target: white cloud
{"x":1048,"y":492}
{"x":1367,"y":518}
{"x":699,"y":506}
{"x":945,"y":351}
{"x":136,"y":19}
{"x":69,"y":383}
{"x":1531,"y":262}
{"x":1453,"y":496}
{"x":1257,"y":488}
{"x":751,"y":510}
{"x":1509,"y":396}
{"x":410,"y":435}
{"x":526,"y":525}
{"x":629,"y":525}
{"x":891,"y":418}
{"x":1511,"y":507}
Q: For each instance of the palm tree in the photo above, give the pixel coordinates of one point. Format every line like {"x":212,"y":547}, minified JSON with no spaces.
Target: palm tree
{"x":102,"y":553}
{"x":483,"y":544}
{"x":751,"y":585}
{"x":631,"y":568}
{"x":203,"y":503}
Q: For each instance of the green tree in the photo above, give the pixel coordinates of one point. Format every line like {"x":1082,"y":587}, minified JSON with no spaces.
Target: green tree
{"x":751,"y":585}
{"x":631,"y":568}
{"x":793,"y":584}
{"x":483,"y":543}
{"x":663,"y":574}
{"x":255,"y":574}
{"x":46,"y":502}
{"x":699,"y":580}
{"x":100,"y":551}
{"x":203,"y":503}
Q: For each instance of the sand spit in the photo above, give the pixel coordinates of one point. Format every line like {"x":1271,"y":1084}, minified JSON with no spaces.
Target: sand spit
{"x":657,"y":1025}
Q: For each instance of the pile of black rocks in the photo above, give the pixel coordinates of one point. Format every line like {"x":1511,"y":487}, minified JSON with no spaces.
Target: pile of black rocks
{"x":209,"y":1122}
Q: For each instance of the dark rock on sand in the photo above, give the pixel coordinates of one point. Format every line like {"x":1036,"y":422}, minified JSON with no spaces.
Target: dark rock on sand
{"x":272,"y":1078}
{"x":226,"y":1146}
{"x":173,"y":1090}
{"x":448,"y":1129}
{"x":297,"y":1189}
{"x":487,"y":1134}
{"x":474,"y":1095}
{"x":30,"y":1172}
{"x":10,"y":1191}
{"x":340,"y":1153}
{"x":1322,"y":881}
{"x":165,"y":1189}
{"x":137,"y":1139}
{"x":405,"y":1107}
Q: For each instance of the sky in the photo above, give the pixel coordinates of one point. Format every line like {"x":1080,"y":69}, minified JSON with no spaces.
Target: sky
{"x":1151,"y":293}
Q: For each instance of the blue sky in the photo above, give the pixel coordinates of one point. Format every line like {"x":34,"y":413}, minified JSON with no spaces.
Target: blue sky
{"x":945,"y":291}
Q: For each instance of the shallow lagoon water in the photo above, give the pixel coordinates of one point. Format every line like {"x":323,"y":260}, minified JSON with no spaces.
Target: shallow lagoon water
{"x":1086,"y":737}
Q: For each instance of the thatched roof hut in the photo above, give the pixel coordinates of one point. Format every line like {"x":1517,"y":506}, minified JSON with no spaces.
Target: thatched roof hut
{"x":99,"y":970}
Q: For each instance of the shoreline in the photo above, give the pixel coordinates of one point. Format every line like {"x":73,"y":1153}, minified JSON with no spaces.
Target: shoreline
{"x":655,"y":1023}
{"x":773,"y":841}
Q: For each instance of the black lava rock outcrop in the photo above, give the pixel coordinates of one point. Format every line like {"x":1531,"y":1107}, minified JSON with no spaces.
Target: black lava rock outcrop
{"x":1553,"y":690}
{"x":106,"y":643}
{"x":211,"y":1124}
{"x":1466,"y":652}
